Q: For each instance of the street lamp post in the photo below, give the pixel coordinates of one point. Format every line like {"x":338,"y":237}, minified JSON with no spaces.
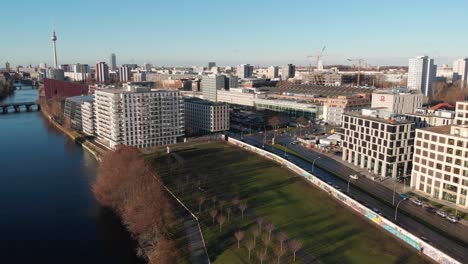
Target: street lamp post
{"x":313,"y":163}
{"x":394,"y":191}
{"x":349,"y":180}
{"x":396,"y":209}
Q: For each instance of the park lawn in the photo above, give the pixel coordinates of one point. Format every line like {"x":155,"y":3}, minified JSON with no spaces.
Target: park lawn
{"x":327,"y":230}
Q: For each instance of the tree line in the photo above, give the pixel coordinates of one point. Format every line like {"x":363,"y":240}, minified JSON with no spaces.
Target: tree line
{"x":6,"y":89}
{"x":126,"y":184}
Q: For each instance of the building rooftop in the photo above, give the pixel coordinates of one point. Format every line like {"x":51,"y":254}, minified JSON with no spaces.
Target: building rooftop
{"x":391,"y":121}
{"x":320,"y":90}
{"x":196,"y":100}
{"x":438,"y":129}
{"x":81,"y":98}
{"x":134,"y":90}
{"x":442,"y":106}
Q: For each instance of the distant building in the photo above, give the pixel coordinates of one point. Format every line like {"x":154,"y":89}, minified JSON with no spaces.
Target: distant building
{"x":288,"y":71}
{"x":87,"y":117}
{"x":272,"y":72}
{"x":211,"y":65}
{"x":378,"y":141}
{"x":397,"y":100}
{"x":148,"y":67}
{"x":244,"y":71}
{"x":80,"y":68}
{"x":440,"y":163}
{"x":56,"y":74}
{"x":232,"y":82}
{"x":423,"y":117}
{"x":204,"y":117}
{"x":101,"y":72}
{"x":461,"y":113}
{"x":138,"y":116}
{"x":113,"y":62}
{"x":139,"y":77}
{"x":73,"y":110}
{"x":460,"y":70}
{"x":125,"y":73}
{"x":63,"y":89}
{"x":421,"y":74}
{"x":211,"y":84}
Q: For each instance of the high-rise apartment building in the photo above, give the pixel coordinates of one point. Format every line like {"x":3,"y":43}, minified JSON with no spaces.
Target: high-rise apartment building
{"x":440,"y":163}
{"x":204,"y":117}
{"x":101,"y":72}
{"x":211,"y":84}
{"x":244,"y":71}
{"x":138,"y":116}
{"x":460,"y":71}
{"x":211,"y":64}
{"x":272,"y":72}
{"x":421,"y":74}
{"x":73,"y":110}
{"x":113,"y":62}
{"x":125,"y":73}
{"x":378,"y":142}
{"x":288,"y":71}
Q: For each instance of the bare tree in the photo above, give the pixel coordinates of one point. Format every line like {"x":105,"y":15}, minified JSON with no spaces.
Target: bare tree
{"x":221,"y":204}
{"x":294,"y":246}
{"x":221,"y":219}
{"x":262,"y":256}
{"x":250,"y":245}
{"x":213,"y":213}
{"x":200,"y":201}
{"x":281,"y":237}
{"x":260,"y":221}
{"x":235,"y":201}
{"x":242,"y":207}
{"x":239,"y":236}
{"x":256,"y":232}
{"x":228,"y":212}
{"x":269,"y":227}
{"x":279,"y":252}
{"x":266,"y":241}
{"x":214,"y":199}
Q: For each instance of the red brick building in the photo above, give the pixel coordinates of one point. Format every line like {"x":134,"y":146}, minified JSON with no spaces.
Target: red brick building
{"x":63,"y":89}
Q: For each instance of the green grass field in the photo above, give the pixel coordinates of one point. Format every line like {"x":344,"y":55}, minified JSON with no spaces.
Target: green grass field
{"x":328,"y":231}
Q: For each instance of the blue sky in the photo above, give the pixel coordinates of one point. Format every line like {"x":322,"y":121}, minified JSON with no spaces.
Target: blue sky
{"x":193,"y":32}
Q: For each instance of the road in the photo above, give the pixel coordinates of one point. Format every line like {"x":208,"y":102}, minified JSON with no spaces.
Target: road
{"x":452,"y":247}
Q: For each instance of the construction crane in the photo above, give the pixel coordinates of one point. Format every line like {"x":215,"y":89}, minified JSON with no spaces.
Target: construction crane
{"x":318,"y":56}
{"x":359,"y":61}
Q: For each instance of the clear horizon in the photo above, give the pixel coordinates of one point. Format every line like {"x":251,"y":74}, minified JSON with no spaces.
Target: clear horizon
{"x":260,"y":33}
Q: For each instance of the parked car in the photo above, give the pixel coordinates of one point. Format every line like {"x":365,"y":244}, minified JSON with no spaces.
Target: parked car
{"x":453,"y":218}
{"x":425,"y":239}
{"x":377,"y":211}
{"x":441,"y":213}
{"x":417,"y":202}
{"x":431,"y":209}
{"x":404,"y":196}
{"x":354,"y":176}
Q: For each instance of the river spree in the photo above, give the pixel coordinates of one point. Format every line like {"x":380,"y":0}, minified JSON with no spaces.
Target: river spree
{"x":47,"y":210}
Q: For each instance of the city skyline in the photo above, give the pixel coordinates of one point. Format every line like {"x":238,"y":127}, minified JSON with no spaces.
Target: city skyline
{"x":171,"y":37}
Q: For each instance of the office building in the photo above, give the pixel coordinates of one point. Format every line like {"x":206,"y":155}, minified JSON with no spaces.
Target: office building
{"x":204,"y":117}
{"x":139,"y":76}
{"x":440,"y":163}
{"x":397,"y":100}
{"x":421,"y":74}
{"x":244,"y":71}
{"x":232,"y":82}
{"x":288,"y":71}
{"x":138,"y":116}
{"x":272,"y":72}
{"x":424,"y":117}
{"x":460,"y":71}
{"x":113,"y":62}
{"x":211,"y":84}
{"x":378,"y":141}
{"x":148,"y":67}
{"x":125,"y":73}
{"x":80,"y":68}
{"x":73,"y":110}
{"x":211,"y":65}
{"x":101,"y":72}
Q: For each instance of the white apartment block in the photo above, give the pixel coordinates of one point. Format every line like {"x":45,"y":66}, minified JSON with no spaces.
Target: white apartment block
{"x":236,"y":96}
{"x":421,"y":74}
{"x":440,"y":163}
{"x":204,"y":117}
{"x":461,"y":113}
{"x":380,"y":144}
{"x":138,"y":116}
{"x":460,"y":71}
{"x":210,"y":86}
{"x":429,"y":118}
{"x":87,"y":118}
{"x":397,"y":100}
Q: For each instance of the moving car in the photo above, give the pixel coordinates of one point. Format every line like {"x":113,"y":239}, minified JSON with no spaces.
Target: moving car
{"x":354,"y":176}
{"x":452,"y":218}
{"x":404,"y":196}
{"x":431,"y":209}
{"x":377,"y":211}
{"x":417,"y":202}
{"x":441,"y":213}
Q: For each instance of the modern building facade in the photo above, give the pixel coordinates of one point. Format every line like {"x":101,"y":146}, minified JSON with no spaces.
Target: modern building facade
{"x":379,"y":142}
{"x":421,"y":74}
{"x":125,"y":73}
{"x":113,"y":62}
{"x":203,"y":117}
{"x":87,"y":117}
{"x":101,"y":72}
{"x":138,"y":116}
{"x":440,"y":163}
{"x":429,"y":118}
{"x":397,"y":100}
{"x":288,"y":71}
{"x":244,"y":71}
{"x":461,"y":113}
{"x":210,"y":86}
{"x":73,"y":110}
{"x":460,"y":71}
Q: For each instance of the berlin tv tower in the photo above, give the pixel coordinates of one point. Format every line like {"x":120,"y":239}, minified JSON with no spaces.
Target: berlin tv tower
{"x":54,"y":39}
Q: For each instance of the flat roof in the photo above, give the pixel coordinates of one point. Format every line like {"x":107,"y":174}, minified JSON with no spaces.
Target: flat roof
{"x":81,"y":98}
{"x":321,"y":90}
{"x":125,"y":91}
{"x":379,"y":119}
{"x":438,"y":129}
{"x":201,"y":101}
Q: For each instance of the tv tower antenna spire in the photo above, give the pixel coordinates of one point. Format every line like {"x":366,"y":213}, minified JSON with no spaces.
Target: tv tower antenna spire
{"x":54,"y":39}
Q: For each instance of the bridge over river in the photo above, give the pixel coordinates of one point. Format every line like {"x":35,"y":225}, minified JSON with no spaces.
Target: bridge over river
{"x":18,"y":106}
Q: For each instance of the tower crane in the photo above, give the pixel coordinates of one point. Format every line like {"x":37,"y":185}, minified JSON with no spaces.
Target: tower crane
{"x":359,"y":61}
{"x":318,"y":56}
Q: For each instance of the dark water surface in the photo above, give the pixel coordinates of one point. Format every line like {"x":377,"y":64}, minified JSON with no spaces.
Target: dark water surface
{"x":47,"y":211}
